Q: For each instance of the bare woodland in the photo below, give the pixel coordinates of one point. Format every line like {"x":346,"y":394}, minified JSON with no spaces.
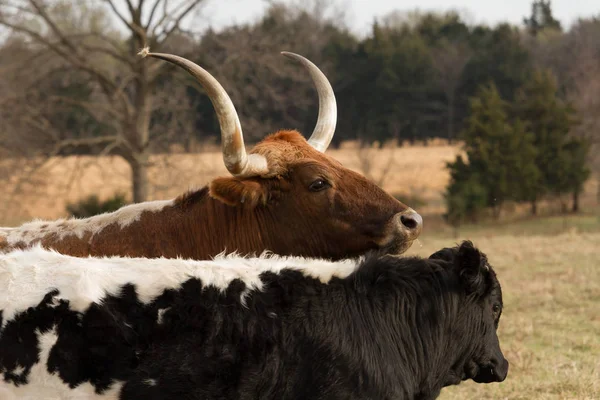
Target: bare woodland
{"x":73,"y":40}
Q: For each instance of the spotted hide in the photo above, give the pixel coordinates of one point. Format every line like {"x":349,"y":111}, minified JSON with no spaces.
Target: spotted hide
{"x":377,"y":327}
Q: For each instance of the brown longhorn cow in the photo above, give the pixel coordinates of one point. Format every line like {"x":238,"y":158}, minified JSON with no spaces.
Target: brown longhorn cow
{"x":285,"y":196}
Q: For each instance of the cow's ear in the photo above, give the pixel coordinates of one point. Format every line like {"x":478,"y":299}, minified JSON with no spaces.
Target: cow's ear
{"x":446,"y":254}
{"x":236,"y":191}
{"x":472,"y":268}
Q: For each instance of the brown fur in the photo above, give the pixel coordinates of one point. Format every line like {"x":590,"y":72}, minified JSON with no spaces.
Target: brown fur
{"x":249,"y":215}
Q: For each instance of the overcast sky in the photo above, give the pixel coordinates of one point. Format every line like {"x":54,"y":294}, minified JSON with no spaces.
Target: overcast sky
{"x":360,"y":13}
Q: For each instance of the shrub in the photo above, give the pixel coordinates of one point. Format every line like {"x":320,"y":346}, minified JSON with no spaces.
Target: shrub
{"x":92,"y":205}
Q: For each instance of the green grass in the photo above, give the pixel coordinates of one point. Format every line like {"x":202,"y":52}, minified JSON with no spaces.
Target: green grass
{"x":524,"y":226}
{"x":550,"y":329}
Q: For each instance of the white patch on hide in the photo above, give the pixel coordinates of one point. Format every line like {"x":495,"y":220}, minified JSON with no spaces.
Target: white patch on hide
{"x":26,"y":276}
{"x":43,"y":385}
{"x":19,"y":370}
{"x":161,"y":312}
{"x":150,"y":382}
{"x":125,"y":216}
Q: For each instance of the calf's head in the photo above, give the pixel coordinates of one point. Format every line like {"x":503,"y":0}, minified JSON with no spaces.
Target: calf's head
{"x":483,"y":360}
{"x":303,"y":198}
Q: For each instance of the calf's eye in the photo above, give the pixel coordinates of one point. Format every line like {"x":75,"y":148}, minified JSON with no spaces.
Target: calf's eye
{"x":496,"y":308}
{"x":318,"y":185}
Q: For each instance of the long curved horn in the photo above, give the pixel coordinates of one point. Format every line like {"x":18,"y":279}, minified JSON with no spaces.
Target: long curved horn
{"x":327,"y":119}
{"x":237,"y":161}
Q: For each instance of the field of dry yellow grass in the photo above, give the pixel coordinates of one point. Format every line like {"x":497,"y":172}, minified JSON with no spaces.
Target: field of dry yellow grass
{"x":413,"y":173}
{"x":45,"y":193}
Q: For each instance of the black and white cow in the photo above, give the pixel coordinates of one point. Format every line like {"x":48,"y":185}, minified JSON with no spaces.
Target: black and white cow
{"x":379,"y":327}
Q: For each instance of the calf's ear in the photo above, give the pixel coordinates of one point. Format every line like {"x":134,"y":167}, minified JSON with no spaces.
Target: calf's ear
{"x":472,"y":268}
{"x":235,"y":191}
{"x":445,"y":254}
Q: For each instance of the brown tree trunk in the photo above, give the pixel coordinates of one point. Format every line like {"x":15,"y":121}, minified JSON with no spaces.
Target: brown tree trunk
{"x":534,"y":207}
{"x":139,"y":180}
{"x":575,"y":207}
{"x":143,"y":106}
{"x":451,"y":117}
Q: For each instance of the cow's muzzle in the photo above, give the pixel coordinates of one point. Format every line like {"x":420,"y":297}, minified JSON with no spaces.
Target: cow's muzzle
{"x":411,"y":223}
{"x":493,"y":372}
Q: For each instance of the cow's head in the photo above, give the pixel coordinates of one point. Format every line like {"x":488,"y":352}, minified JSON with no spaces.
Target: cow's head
{"x":484,"y":361}
{"x":289,"y":181}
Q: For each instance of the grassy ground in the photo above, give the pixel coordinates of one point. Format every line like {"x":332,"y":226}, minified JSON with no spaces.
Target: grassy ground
{"x":588,"y":221}
{"x":550,"y":328}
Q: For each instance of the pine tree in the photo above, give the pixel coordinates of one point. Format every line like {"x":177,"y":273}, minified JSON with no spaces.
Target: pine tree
{"x":519,"y":155}
{"x":541,"y":17}
{"x":500,"y":159}
{"x":465,"y":196}
{"x":573,"y":157}
{"x":559,"y":158}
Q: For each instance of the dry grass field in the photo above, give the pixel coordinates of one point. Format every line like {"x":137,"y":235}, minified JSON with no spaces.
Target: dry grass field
{"x":550,"y":327}
{"x":415,"y":174}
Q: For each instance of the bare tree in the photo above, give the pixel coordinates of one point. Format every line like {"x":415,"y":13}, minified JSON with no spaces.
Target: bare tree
{"x":583,"y":88}
{"x":124,"y":85}
{"x":449,"y":61}
{"x":585,"y":96}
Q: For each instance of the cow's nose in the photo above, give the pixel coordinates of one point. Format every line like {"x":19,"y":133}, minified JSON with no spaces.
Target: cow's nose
{"x":412,"y":222}
{"x":501,"y":371}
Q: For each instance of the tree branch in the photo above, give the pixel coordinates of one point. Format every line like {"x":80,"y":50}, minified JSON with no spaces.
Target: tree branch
{"x":86,"y":141}
{"x":89,"y":106}
{"x":152,"y":12}
{"x":78,"y":63}
{"x":132,"y":10}
{"x":42,"y":13}
{"x":132,"y":27}
{"x":116,"y":45}
{"x":113,"y":54}
{"x":118,"y":14}
{"x":187,"y":8}
{"x":109,"y":87}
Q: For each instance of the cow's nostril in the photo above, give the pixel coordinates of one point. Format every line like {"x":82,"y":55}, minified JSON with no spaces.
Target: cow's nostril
{"x":411,"y":221}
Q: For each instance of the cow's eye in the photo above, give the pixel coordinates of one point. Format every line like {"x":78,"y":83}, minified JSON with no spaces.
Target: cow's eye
{"x":496,"y":308}
{"x":318,"y":185}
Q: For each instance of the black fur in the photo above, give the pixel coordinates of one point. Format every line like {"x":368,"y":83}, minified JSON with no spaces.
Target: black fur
{"x":398,"y":328}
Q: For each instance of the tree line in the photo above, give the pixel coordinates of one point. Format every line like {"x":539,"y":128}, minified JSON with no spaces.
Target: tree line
{"x":72,"y":84}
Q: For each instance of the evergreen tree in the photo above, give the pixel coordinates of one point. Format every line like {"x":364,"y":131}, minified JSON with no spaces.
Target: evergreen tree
{"x":519,"y":155}
{"x":500,"y":56}
{"x":501,"y":159}
{"x":465,"y":196}
{"x":573,"y":157}
{"x":397,"y":83}
{"x":541,"y":18}
{"x":550,"y":121}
